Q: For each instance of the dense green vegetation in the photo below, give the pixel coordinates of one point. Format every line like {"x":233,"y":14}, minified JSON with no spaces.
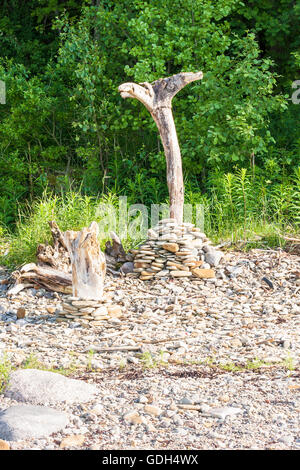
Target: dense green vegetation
{"x":64,"y":124}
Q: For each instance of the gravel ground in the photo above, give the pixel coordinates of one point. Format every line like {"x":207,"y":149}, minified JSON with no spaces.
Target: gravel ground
{"x":192,"y":364}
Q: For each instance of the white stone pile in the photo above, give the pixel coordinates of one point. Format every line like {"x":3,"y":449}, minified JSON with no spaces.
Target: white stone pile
{"x":92,"y":312}
{"x":176,"y":250}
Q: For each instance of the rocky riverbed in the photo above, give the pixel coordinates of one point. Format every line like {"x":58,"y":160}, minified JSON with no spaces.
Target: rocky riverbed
{"x":191,"y":363}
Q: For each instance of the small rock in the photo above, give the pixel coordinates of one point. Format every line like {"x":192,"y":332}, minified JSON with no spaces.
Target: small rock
{"x":152,"y":234}
{"x":152,"y":410}
{"x":172,"y":247}
{"x":26,"y":422}
{"x":134,"y":418}
{"x":150,"y":427}
{"x":74,"y":440}
{"x":127,"y":267}
{"x":223,"y":412}
{"x":180,"y":273}
{"x":236,"y":343}
{"x":186,"y":401}
{"x":51,"y":310}
{"x":213,"y":257}
{"x":204,"y":408}
{"x":21,"y":312}
{"x":98,"y":409}
{"x":204,"y":273}
{"x":4,"y":445}
{"x":143,"y":399}
{"x":287,"y":440}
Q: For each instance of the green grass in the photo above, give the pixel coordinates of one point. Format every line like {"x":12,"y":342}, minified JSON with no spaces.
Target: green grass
{"x":245,"y":211}
{"x":32,"y":362}
{"x":5,"y":370}
{"x":149,"y":361}
{"x":251,"y":364}
{"x":71,"y":211}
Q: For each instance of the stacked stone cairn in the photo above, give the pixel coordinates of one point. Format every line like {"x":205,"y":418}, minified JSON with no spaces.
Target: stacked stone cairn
{"x":176,"y":251}
{"x":89,"y":312}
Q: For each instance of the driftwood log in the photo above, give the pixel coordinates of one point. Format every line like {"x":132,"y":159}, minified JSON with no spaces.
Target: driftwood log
{"x":157,"y":98}
{"x":88,"y":262}
{"x":53,"y":269}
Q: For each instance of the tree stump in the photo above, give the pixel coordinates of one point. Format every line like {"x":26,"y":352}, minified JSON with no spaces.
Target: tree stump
{"x":88,"y":262}
{"x":157,"y":98}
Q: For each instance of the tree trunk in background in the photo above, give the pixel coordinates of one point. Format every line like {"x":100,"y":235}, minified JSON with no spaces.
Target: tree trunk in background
{"x":157,"y":98}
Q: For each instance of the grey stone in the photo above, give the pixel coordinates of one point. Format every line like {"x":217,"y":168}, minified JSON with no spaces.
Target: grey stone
{"x":127,"y":267}
{"x":152,"y":234}
{"x":287,"y":440}
{"x":26,"y":422}
{"x":213,"y":257}
{"x":186,"y":401}
{"x":39,"y":387}
{"x":224,"y":411}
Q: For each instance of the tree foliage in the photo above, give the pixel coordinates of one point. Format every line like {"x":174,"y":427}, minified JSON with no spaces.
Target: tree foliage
{"x":64,"y":121}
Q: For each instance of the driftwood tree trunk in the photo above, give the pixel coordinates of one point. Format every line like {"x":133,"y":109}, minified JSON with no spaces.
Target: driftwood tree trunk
{"x":88,"y":262}
{"x":157,"y":98}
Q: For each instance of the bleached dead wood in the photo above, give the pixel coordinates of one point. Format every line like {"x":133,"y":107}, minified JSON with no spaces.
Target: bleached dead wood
{"x":53,"y":270}
{"x":88,"y":262}
{"x":157,"y":98}
{"x":32,"y":275}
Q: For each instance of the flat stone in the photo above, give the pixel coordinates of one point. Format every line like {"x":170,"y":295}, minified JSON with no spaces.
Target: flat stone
{"x":186,"y":401}
{"x":141,"y":264}
{"x":199,"y":234}
{"x":155,"y":268}
{"x":184,"y":253}
{"x":177,"y":266}
{"x":153,"y":410}
{"x":114,"y":310}
{"x":236,"y":343}
{"x":152,"y":234}
{"x":100,"y":311}
{"x":173,"y":247}
{"x":72,"y":314}
{"x":86,"y":303}
{"x":224,"y":411}
{"x":133,"y":418}
{"x":4,"y":445}
{"x":88,"y":310}
{"x":204,"y":273}
{"x":164,"y":272}
{"x":169,"y":237}
{"x":158,"y":265}
{"x":75,"y":440}
{"x":21,"y":312}
{"x":181,"y":273}
{"x":69,"y":307}
{"x":167,"y":221}
{"x":38,"y":387}
{"x":98,"y":409}
{"x":51,"y":310}
{"x":25,"y":422}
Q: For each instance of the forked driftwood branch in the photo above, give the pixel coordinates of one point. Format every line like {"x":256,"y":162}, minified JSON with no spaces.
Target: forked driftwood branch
{"x":157,"y":98}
